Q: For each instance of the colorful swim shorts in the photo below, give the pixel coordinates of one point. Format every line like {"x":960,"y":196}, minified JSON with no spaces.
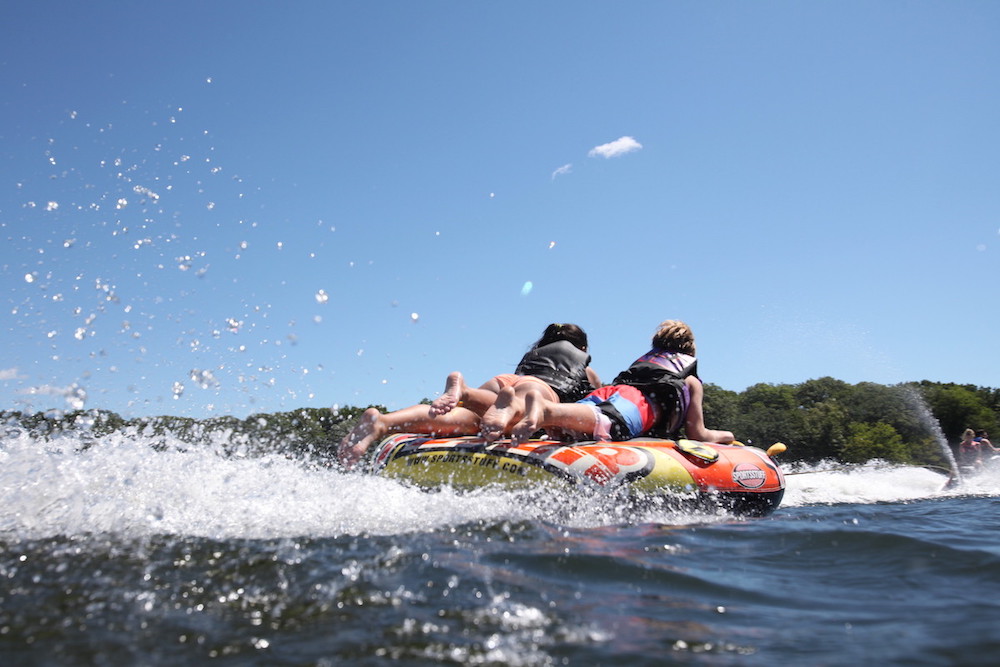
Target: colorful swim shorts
{"x":622,"y":412}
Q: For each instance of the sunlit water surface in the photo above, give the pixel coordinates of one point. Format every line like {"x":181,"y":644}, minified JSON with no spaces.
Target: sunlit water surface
{"x":121,"y":553}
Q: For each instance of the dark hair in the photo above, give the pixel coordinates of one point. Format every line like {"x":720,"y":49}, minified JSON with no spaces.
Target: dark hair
{"x":567,"y":332}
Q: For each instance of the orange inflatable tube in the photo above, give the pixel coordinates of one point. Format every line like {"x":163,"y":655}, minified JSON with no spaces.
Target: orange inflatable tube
{"x":736,"y":478}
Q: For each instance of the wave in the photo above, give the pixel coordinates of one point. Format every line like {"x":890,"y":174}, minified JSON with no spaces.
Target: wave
{"x":879,"y":482}
{"x":133,"y":484}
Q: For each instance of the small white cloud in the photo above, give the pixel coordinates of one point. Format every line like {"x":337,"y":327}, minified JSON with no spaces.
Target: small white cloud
{"x":565,"y":169}
{"x":74,"y":395}
{"x":615,"y":148}
{"x":45,"y":390}
{"x":10,"y":374}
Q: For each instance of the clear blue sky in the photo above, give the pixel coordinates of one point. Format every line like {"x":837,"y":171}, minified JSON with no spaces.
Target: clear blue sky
{"x":232,"y":207}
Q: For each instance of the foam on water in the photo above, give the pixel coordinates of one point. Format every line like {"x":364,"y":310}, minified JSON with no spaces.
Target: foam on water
{"x":877,"y":482}
{"x":122,"y":484}
{"x":869,"y":483}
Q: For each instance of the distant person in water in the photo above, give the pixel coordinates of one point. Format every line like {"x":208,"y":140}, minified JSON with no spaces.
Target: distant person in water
{"x":659,"y":394}
{"x":986,"y":448}
{"x":968,"y":449}
{"x":557,"y":366}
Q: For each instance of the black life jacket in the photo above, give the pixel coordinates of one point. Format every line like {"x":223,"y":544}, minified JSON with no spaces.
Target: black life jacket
{"x":660,"y":376}
{"x":562,"y":366}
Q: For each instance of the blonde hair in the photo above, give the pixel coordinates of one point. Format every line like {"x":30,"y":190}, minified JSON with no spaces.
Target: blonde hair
{"x":675,"y":336}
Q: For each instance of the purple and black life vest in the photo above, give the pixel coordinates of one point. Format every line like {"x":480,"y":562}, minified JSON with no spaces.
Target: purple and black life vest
{"x":660,"y":375}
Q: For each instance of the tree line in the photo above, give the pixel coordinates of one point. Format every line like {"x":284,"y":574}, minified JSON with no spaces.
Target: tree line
{"x":820,"y":419}
{"x":827,"y":418}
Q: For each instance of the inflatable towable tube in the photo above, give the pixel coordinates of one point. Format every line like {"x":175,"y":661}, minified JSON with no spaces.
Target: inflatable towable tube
{"x":737,"y":478}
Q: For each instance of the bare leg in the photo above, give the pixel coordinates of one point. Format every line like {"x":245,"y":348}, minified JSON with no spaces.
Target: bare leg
{"x":481,"y":398}
{"x":364,"y":433}
{"x":454,"y":387}
{"x":374,"y":426}
{"x":478,"y":399}
{"x":540,"y":412}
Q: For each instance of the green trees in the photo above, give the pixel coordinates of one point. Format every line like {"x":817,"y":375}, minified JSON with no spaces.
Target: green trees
{"x":827,"y":418}
{"x":767,"y":414}
{"x":873,"y":441}
{"x":306,"y":431}
{"x":958,"y":407}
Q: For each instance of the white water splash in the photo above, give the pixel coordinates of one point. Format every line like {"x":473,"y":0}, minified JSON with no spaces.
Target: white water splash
{"x":879,"y":482}
{"x":930,"y":422}
{"x":873,"y":482}
{"x":121,"y":485}
{"x":140,"y":484}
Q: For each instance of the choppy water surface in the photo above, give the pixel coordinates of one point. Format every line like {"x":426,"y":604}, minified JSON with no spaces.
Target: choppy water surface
{"x":122,"y":554}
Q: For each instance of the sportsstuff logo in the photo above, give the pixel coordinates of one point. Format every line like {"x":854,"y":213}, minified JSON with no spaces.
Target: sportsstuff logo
{"x":749,"y":476}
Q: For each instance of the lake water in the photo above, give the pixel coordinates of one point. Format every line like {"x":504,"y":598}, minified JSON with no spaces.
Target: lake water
{"x":120,"y":553}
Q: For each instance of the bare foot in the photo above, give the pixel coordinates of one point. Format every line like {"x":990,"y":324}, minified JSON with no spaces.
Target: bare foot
{"x":522,"y":431}
{"x":356,"y":443}
{"x":534,"y":414}
{"x":494,"y":421}
{"x":447,"y":401}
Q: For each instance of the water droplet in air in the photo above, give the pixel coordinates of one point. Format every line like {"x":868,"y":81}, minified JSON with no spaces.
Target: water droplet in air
{"x":526,"y":289}
{"x":414,"y":316}
{"x":76,"y":396}
{"x":322,"y":296}
{"x":204,"y":378}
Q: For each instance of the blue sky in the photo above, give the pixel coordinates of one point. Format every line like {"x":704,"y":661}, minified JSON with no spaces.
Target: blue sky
{"x":234,"y":207}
